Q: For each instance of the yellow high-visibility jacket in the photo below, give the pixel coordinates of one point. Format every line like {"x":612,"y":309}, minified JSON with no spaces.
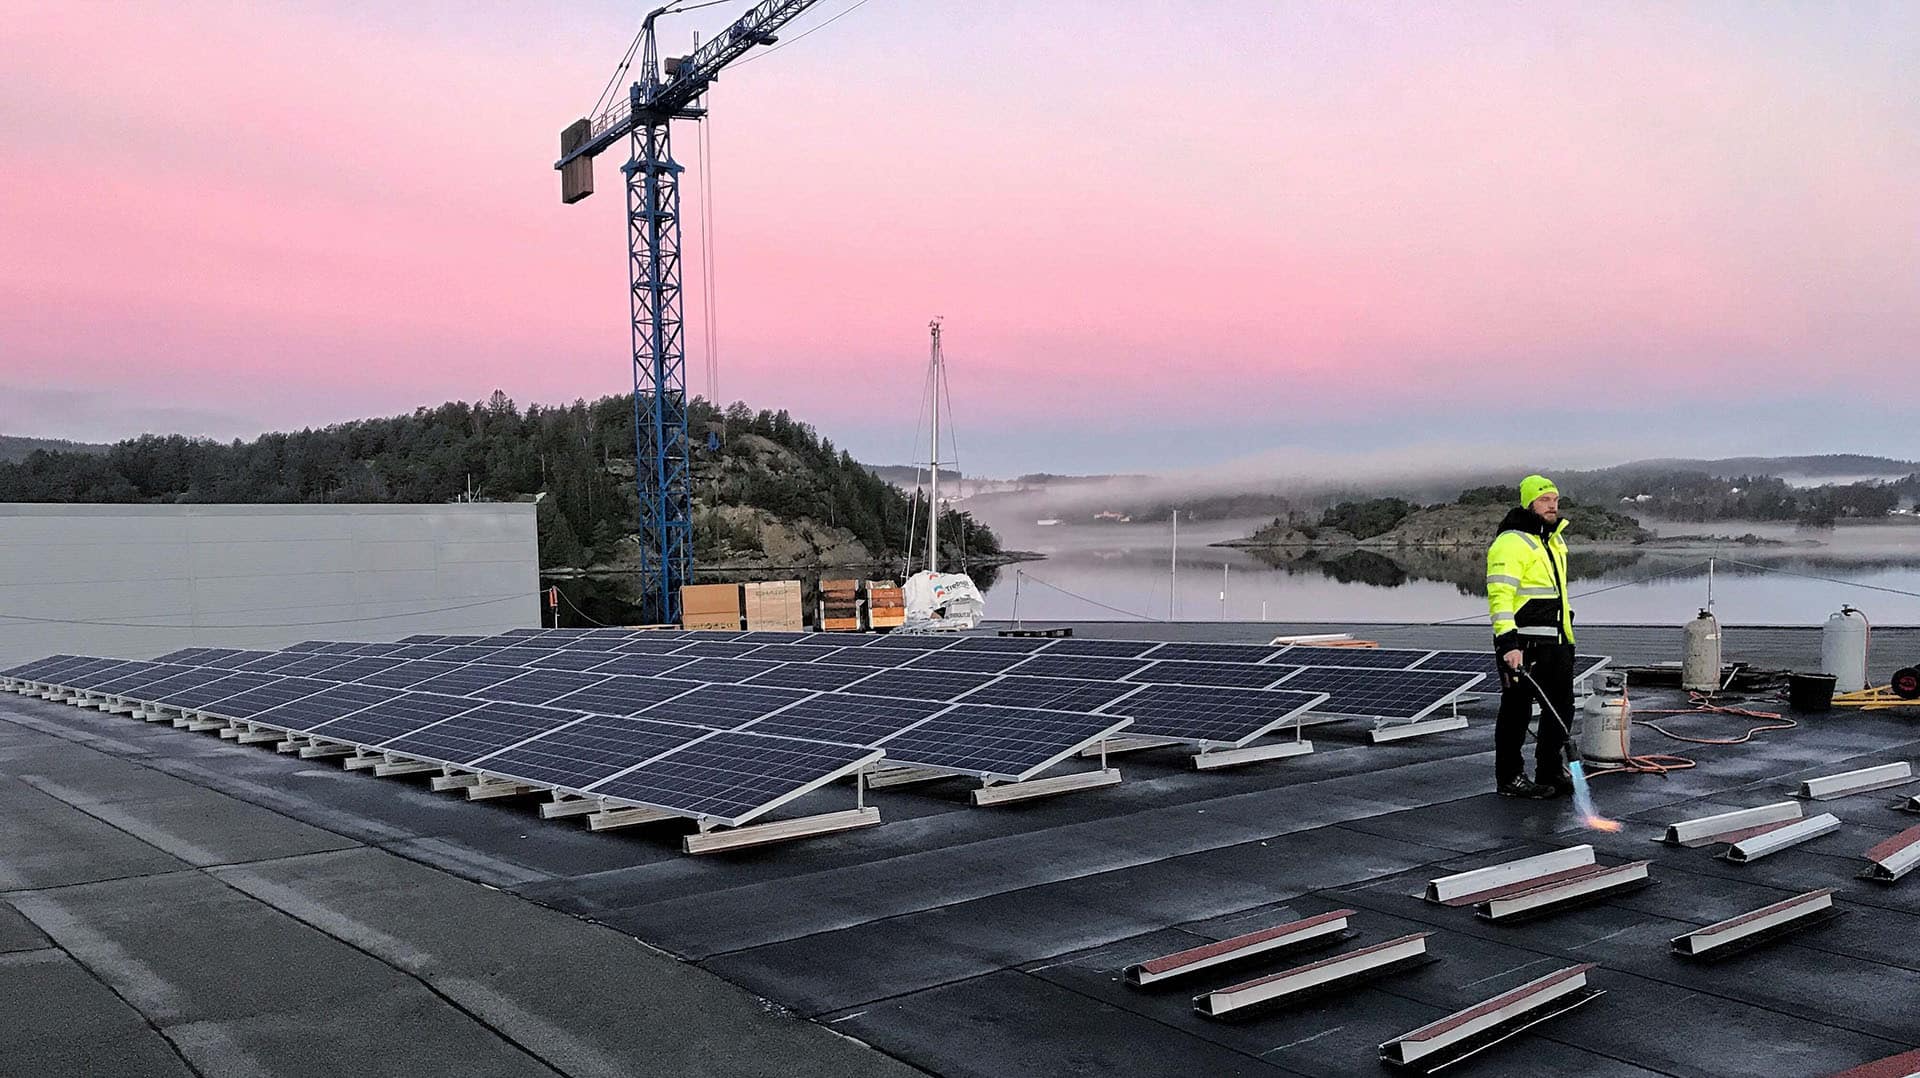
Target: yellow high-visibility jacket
{"x":1527,"y":583}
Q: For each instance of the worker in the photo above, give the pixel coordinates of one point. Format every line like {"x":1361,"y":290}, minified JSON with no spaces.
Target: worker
{"x":1532,"y":631}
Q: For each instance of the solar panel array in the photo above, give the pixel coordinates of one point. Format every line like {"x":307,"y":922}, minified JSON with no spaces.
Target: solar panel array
{"x":645,"y":716}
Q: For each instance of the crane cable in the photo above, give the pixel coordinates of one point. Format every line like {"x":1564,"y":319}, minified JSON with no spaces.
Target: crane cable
{"x":800,"y":37}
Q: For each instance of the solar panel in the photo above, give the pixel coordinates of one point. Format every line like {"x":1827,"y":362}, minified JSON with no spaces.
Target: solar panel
{"x":183,"y":656}
{"x":638,"y":665}
{"x":793,"y":653}
{"x":466,"y":680}
{"x":1386,"y":694}
{"x":722,"y":671}
{"x":914,"y":641}
{"x":596,"y":747}
{"x":1118,"y":649}
{"x":978,"y":662}
{"x":26,"y":671}
{"x":338,"y":647}
{"x":137,"y":681}
{"x":185,"y":679}
{"x":307,"y":666}
{"x":717,"y":649}
{"x":1003,"y":644}
{"x":847,"y":720}
{"x":308,"y":645}
{"x":217,"y":689}
{"x":1091,"y":667}
{"x":409,"y":673}
{"x":64,"y":670}
{"x":466,"y":653}
{"x":819,"y":677}
{"x":1210,"y":715}
{"x":1484,"y":662}
{"x":455,"y":640}
{"x":378,"y":649}
{"x":1056,"y":693}
{"x":1371,"y":658}
{"x":100,"y":675}
{"x":252,"y":702}
{"x":539,"y":686}
{"x":871,"y":658}
{"x":570,"y":660}
{"x":420,"y":638}
{"x":236,"y":660}
{"x":273,"y":664}
{"x":724,"y":707}
{"x":486,"y":729}
{"x":517,"y":656}
{"x":331,"y":703}
{"x":647,"y":645}
{"x":395,"y":716}
{"x":1240,"y":675}
{"x":998,"y":742}
{"x":356,"y":669}
{"x":773,"y":636}
{"x":501,"y":640}
{"x":919,"y":684}
{"x":1217,"y":653}
{"x":836,"y":640}
{"x":598,"y":642}
{"x":624,"y":695}
{"x":734,"y":777}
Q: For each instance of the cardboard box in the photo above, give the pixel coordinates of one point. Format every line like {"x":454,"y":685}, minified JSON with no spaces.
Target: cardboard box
{"x":710,"y":606}
{"x":775,"y":604}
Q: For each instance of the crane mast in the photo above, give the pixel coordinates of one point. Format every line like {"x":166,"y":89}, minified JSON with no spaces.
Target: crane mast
{"x":663,"y":477}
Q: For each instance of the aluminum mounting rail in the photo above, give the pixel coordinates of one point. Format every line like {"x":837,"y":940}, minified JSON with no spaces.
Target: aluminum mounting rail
{"x":1564,"y":893}
{"x":1759,"y":926}
{"x":1465,"y":888}
{"x":1731,"y":826}
{"x":1848,"y":783}
{"x":1911,"y":804}
{"x":1895,"y":857}
{"x":1314,"y":978}
{"x":1485,"y":1024}
{"x":1772,"y":842}
{"x":1325,"y":928}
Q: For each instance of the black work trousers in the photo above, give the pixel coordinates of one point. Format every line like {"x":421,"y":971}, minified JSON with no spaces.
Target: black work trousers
{"x":1551,"y":664}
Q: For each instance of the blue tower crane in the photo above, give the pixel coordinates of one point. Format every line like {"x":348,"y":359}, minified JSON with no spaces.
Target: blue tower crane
{"x":662,"y":468}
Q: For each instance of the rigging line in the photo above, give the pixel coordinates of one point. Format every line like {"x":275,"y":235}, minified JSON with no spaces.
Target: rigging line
{"x":619,"y":69}
{"x":801,"y":37}
{"x":706,"y":256}
{"x":1595,"y":591}
{"x":1822,"y":579}
{"x":568,"y":599}
{"x":1029,"y":576}
{"x":946,"y":391}
{"x":262,"y":624}
{"x":913,"y":518}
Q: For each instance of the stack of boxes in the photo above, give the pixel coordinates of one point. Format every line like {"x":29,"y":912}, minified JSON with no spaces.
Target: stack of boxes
{"x":775,"y":605}
{"x":710,"y":606}
{"x":886,"y":607}
{"x":840,"y":605}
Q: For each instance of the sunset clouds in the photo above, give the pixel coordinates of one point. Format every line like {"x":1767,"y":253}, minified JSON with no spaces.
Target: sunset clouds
{"x":1159,"y":232}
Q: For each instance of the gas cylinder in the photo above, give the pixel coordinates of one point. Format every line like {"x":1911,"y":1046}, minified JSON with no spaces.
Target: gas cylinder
{"x":1606,"y":722}
{"x":1843,"y":650}
{"x":1700,"y":661}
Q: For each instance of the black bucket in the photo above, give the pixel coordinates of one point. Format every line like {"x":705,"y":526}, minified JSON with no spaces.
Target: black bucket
{"x":1810,"y":692}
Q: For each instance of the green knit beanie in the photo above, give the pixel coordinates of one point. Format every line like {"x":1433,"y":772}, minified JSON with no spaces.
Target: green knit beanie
{"x":1533,"y":486}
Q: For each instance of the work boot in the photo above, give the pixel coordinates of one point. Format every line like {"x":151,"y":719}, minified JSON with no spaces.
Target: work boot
{"x":1522,"y":786}
{"x":1562,"y":785}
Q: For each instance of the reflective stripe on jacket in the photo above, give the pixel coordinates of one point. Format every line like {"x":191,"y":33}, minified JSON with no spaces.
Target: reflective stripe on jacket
{"x":1524,"y":568}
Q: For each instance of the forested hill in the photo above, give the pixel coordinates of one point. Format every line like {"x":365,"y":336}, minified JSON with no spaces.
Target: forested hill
{"x":15,"y":448}
{"x":768,"y":472}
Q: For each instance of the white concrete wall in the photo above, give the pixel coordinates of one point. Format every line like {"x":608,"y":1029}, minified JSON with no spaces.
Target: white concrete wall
{"x":141,"y":580}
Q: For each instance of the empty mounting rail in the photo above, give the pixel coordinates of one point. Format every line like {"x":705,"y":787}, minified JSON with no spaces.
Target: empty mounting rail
{"x":1324,"y":975}
{"x":1895,"y":857}
{"x":1759,"y":926}
{"x":1780,"y":838}
{"x":1463,"y":1033}
{"x":1733,"y":826}
{"x":1466,"y":888}
{"x":1848,"y":783}
{"x":1325,"y":928}
{"x":1564,"y":893}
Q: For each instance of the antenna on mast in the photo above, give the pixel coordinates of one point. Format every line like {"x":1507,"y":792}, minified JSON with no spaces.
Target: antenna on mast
{"x":933,"y":485}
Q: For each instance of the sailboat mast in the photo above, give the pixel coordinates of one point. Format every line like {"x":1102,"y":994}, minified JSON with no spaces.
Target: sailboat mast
{"x":933,"y":486}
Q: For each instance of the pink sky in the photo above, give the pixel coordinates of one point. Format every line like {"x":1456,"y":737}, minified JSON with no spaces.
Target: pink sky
{"x":1161,"y":234}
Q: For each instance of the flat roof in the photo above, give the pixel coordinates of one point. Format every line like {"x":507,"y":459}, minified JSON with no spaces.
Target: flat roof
{"x":170,"y":900}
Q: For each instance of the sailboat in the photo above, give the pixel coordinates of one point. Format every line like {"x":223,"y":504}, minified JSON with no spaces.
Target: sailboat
{"x":937,"y":601}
